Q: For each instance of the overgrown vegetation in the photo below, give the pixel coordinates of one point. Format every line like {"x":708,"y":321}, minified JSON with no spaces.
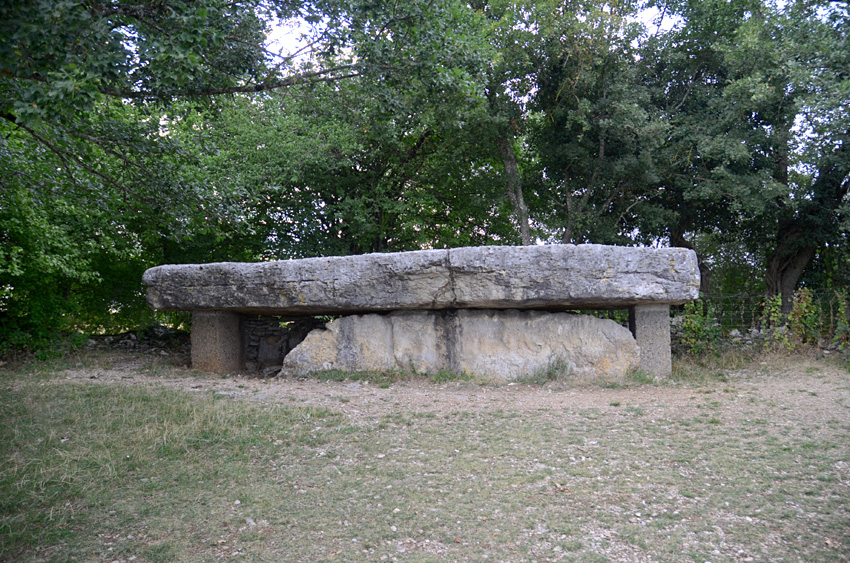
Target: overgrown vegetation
{"x":819,"y":323}
{"x":398,"y":126}
{"x":700,"y":331}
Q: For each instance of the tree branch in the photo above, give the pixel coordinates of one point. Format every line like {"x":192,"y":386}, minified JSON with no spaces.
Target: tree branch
{"x":65,"y":155}
{"x":313,"y":76}
{"x":100,"y":142}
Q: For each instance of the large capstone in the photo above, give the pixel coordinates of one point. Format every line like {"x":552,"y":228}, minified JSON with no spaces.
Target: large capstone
{"x":551,"y":277}
{"x":493,"y":344}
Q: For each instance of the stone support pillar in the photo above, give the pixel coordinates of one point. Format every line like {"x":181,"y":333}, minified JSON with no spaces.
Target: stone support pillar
{"x":650,"y":325}
{"x":217,"y":342}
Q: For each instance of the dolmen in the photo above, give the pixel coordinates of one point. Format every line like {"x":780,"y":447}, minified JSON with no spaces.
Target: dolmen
{"x":498,"y":312}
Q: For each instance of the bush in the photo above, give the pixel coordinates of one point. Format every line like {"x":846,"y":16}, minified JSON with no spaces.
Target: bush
{"x":700,"y":331}
{"x":804,"y":320}
{"x":841,"y":336}
{"x":801,"y":327}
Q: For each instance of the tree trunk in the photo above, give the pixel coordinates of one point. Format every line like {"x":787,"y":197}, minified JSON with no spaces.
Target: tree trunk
{"x":786,"y":265}
{"x":514,"y":187}
{"x":567,"y":237}
{"x":816,"y":222}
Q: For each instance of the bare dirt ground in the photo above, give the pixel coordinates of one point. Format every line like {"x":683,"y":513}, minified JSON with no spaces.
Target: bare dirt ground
{"x":805,"y":389}
{"x":745,"y":463}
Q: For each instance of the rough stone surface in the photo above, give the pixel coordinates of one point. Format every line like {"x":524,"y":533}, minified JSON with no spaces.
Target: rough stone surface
{"x":498,"y":345}
{"x":494,"y":277}
{"x":217,"y":342}
{"x":651,"y":326}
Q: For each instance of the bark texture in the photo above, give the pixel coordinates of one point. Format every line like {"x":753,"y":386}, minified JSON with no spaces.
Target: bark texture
{"x":514,"y":181}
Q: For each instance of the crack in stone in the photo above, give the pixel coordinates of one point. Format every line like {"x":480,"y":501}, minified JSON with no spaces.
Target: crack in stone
{"x":492,"y":278}
{"x":448,"y":287}
{"x":452,"y":282}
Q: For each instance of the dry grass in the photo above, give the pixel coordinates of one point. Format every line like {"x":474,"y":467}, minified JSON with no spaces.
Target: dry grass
{"x":753,"y":464}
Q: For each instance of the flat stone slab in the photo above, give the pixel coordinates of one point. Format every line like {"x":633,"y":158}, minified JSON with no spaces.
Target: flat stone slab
{"x":552,"y":277}
{"x":497,"y":345}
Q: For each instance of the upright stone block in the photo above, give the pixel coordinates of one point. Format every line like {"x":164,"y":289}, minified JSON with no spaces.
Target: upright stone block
{"x":217,"y":342}
{"x":496,"y":345}
{"x":650,"y":325}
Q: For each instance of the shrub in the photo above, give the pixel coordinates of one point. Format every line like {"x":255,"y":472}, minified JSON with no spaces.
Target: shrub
{"x":700,"y":331}
{"x":841,"y":336}
{"x":804,"y":320}
{"x":778,"y":337}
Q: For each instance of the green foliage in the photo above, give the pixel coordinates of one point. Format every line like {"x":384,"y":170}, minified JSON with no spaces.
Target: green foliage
{"x":805,"y":318}
{"x":99,"y":189}
{"x":456,"y":124}
{"x":841,"y":336}
{"x":380,"y":165}
{"x":448,"y":376}
{"x":700,"y":332}
{"x":737,"y":82}
{"x":774,"y":323}
{"x":58,"y":57}
{"x":43,"y":255}
{"x":593,"y":129}
{"x":802,"y":326}
{"x":75,"y":241}
{"x":644,"y":378}
{"x":564,"y":99}
{"x":557,"y":369}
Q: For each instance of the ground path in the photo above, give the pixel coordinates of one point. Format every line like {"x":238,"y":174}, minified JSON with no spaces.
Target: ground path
{"x":804,"y":389}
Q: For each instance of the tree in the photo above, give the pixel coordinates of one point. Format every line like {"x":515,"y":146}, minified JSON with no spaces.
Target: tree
{"x":708,"y":182}
{"x":572,"y":128}
{"x":758,"y":143}
{"x":105,"y":93}
{"x":94,"y":183}
{"x":509,"y":80}
{"x":815,"y":163}
{"x":75,"y":238}
{"x":385,"y":163}
{"x":594,"y":131}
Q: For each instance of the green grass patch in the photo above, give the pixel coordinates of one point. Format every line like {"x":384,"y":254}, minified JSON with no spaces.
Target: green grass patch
{"x":75,"y":453}
{"x":711,"y":368}
{"x":386,"y":378}
{"x":103,"y":472}
{"x":447,"y":376}
{"x":378,"y":377}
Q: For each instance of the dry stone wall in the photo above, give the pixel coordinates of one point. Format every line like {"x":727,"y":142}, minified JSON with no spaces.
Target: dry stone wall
{"x":268,"y":339}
